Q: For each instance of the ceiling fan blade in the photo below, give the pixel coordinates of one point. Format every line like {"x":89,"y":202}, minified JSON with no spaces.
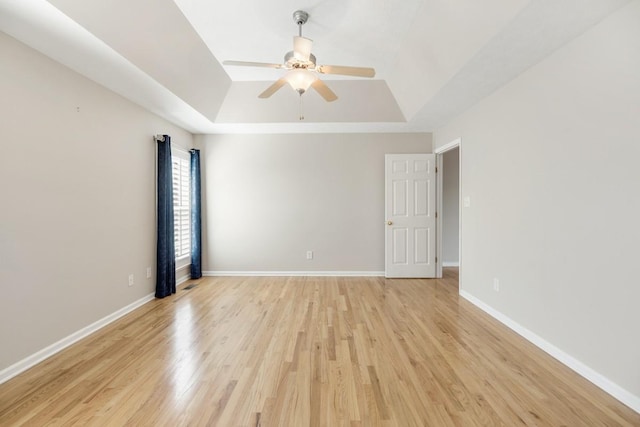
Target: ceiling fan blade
{"x":324,"y":90}
{"x":302,"y":48}
{"x":252,"y":64}
{"x":272,"y":89}
{"x":346,"y":71}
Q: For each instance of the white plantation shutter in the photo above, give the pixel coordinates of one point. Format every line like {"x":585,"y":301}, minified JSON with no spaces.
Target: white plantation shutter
{"x":181,"y":205}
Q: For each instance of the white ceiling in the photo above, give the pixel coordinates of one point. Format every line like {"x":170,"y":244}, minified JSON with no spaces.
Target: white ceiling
{"x":433,"y":58}
{"x":360,"y":33}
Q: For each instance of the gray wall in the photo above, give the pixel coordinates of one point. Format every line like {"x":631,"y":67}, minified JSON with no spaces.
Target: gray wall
{"x":550,"y":163}
{"x":271,"y":198}
{"x":450,"y":207}
{"x":77,"y":174}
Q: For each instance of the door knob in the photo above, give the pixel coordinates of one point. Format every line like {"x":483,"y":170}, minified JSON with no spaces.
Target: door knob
{"x":389,"y":222}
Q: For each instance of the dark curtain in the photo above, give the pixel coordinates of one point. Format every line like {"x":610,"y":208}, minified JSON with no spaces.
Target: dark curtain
{"x":196,"y":224}
{"x":166,"y":258}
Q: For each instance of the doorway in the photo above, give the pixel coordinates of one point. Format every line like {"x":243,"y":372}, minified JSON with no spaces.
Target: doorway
{"x":449,"y":219}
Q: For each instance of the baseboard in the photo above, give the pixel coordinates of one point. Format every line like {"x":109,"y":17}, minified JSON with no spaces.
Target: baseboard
{"x":450,"y":264}
{"x":30,"y":361}
{"x":295,"y":273}
{"x":21,"y":366}
{"x":585,"y":371}
{"x":182,"y":279}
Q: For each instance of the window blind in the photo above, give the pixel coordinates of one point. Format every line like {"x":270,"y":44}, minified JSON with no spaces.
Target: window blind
{"x":181,"y":206}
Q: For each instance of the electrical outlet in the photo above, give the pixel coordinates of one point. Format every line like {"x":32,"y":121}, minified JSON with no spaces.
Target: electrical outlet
{"x":131,"y":280}
{"x":309,"y":254}
{"x":496,"y":284}
{"x":148,"y":272}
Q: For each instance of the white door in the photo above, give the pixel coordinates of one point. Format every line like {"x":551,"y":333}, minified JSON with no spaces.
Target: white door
{"x":410,"y":209}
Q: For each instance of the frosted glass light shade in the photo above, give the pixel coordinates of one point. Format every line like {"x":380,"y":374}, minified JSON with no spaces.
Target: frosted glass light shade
{"x":300,"y":79}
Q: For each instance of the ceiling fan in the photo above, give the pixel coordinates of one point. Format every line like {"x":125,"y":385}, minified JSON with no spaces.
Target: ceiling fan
{"x":302,"y":67}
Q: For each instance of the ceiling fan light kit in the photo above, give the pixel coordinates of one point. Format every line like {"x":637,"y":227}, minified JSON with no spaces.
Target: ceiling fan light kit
{"x":302,"y":67}
{"x":300,"y":79}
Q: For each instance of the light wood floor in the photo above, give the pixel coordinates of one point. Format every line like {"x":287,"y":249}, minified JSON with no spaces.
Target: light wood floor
{"x":307,"y":351}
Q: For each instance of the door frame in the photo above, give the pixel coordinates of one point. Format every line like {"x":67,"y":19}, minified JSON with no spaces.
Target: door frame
{"x":439,"y":151}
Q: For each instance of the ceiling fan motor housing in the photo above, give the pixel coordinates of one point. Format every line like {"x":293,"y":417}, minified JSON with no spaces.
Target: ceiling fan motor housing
{"x":292,"y":62}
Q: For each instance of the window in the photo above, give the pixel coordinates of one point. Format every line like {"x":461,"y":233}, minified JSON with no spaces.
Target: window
{"x":181,"y":204}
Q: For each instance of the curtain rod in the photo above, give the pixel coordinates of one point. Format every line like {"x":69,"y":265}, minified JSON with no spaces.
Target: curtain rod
{"x":159,"y":137}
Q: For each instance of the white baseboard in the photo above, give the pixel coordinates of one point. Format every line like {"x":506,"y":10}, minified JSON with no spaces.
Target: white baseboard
{"x":295,"y":273}
{"x":21,"y":366}
{"x":596,"y":378}
{"x":450,"y":264}
{"x":28,"y":362}
{"x":180,"y":280}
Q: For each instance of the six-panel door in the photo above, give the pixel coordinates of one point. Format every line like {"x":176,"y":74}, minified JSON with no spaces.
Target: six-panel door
{"x":410,"y":240}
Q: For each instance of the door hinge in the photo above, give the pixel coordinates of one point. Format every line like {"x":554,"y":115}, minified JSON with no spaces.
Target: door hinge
{"x":436,"y":260}
{"x":436,"y":169}
{"x":436,"y":214}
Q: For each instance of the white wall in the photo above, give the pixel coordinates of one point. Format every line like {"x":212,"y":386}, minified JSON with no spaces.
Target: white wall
{"x":551,"y":166}
{"x":450,"y":210}
{"x":271,"y":198}
{"x":77,"y":173}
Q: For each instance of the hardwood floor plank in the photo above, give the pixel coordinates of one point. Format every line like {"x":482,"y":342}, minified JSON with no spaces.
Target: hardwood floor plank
{"x":307,"y":351}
